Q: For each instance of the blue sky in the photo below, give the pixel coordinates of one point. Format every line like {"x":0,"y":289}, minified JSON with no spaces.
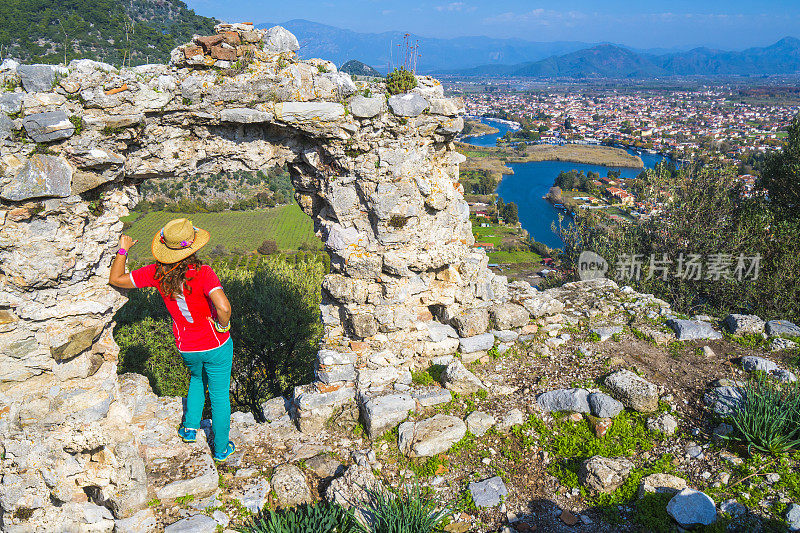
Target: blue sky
{"x":730,"y":24}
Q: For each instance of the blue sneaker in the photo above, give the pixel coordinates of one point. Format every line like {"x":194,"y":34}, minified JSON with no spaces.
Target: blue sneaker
{"x":188,"y":435}
{"x":227,"y":452}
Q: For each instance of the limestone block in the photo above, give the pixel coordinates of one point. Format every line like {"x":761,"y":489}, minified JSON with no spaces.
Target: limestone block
{"x":49,"y":126}
{"x":40,"y":176}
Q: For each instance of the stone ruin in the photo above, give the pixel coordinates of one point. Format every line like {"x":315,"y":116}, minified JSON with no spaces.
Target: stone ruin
{"x":377,"y":173}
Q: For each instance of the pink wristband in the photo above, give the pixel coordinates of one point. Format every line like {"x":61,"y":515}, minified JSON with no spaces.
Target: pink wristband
{"x":122,"y":251}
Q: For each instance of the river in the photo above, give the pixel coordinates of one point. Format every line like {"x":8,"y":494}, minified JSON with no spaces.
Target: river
{"x":531,"y":181}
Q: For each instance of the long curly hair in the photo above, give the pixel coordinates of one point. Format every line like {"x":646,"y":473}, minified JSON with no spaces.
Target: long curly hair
{"x":172,"y":276}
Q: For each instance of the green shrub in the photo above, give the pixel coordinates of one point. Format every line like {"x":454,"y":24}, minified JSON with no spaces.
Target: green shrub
{"x":408,"y":510}
{"x":400,"y":80}
{"x":768,"y":419}
{"x":321,"y":517}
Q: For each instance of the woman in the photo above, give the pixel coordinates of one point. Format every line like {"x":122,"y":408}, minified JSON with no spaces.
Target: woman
{"x":200,"y":322}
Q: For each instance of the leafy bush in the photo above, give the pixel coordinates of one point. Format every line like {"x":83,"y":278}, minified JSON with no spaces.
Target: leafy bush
{"x":768,"y":419}
{"x":400,"y":80}
{"x":268,"y":247}
{"x":321,"y":517}
{"x":403,"y":511}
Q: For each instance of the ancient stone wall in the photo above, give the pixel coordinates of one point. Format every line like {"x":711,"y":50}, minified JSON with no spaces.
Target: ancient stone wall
{"x":377,"y":173}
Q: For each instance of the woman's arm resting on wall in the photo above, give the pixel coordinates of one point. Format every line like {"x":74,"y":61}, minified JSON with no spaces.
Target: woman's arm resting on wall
{"x":118,"y":277}
{"x":222,"y":305}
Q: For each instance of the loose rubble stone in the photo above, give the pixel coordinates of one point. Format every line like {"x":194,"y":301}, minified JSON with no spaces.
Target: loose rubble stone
{"x":256,"y":495}
{"x":752,"y":363}
{"x":692,"y":330}
{"x":407,"y":105}
{"x":40,"y":176}
{"x":604,"y":474}
{"x":775,"y":328}
{"x":573,"y":400}
{"x":633,"y":391}
{"x":275,"y":408}
{"x":664,"y":423}
{"x":478,"y":423}
{"x":661,"y":483}
{"x":324,"y":465}
{"x":793,"y":517}
{"x":724,"y":400}
{"x":604,"y":406}
{"x":692,"y":508}
{"x":198,"y":523}
{"x":743,"y":324}
{"x":6,"y":127}
{"x":352,"y":488}
{"x":460,"y":380}
{"x":780,"y":343}
{"x":290,"y":485}
{"x":245,"y":116}
{"x":431,"y":396}
{"x":606,"y":332}
{"x":489,"y":492}
{"x":476,"y":344}
{"x":431,"y":436}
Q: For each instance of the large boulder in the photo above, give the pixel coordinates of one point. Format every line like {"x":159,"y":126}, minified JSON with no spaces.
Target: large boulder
{"x":604,"y":406}
{"x":383,"y":412}
{"x":40,"y":176}
{"x":691,"y":508}
{"x":693,"y":330}
{"x":458,"y":379}
{"x":471,"y":322}
{"x":572,"y":400}
{"x":37,"y":78}
{"x":367,"y":107}
{"x":633,"y":391}
{"x":477,"y":343}
{"x":11,"y":103}
{"x":49,"y":126}
{"x":431,"y":436}
{"x":407,"y":105}
{"x":290,"y":486}
{"x":604,"y":474}
{"x":279,"y":40}
{"x":743,"y":324}
{"x":793,"y":517}
{"x":777,"y":328}
{"x":509,"y":315}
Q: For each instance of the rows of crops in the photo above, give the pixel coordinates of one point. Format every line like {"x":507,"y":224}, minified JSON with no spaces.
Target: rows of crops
{"x":240,"y":232}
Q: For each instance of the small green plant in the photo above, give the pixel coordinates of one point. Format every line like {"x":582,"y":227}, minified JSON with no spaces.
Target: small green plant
{"x":427,"y":468}
{"x":155,"y":502}
{"x":400,"y":80}
{"x":482,"y":394}
{"x":367,"y":92}
{"x":282,"y":64}
{"x":182,"y":500}
{"x":407,"y":510}
{"x":23,"y":513}
{"x":398,"y":221}
{"x":594,"y":337}
{"x":493,"y":352}
{"x":768,"y":418}
{"x":322,"y":69}
{"x":78,"y":123}
{"x":321,"y":517}
{"x":422,"y":377}
{"x":186,"y":101}
{"x":43,"y":149}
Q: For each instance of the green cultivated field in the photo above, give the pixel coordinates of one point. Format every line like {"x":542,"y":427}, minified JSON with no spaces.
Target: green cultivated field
{"x":243,"y":231}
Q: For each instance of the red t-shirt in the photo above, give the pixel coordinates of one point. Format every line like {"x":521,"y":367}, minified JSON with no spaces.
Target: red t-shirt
{"x":190,"y":310}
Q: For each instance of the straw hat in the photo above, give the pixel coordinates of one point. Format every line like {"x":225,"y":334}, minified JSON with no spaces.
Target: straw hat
{"x":178,"y":240}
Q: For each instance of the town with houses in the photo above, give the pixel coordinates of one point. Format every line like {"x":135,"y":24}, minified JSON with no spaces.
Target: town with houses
{"x":715,"y":124}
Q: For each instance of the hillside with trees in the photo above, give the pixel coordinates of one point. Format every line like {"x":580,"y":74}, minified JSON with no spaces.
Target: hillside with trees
{"x":114,"y":31}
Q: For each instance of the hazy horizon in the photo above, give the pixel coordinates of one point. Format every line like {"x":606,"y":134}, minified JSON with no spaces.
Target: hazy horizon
{"x":731,"y":25}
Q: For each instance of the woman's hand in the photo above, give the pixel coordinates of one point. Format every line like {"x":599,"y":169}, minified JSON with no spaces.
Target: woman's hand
{"x":126,"y":242}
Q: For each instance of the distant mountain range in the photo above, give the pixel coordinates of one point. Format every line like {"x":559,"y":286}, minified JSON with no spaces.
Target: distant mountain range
{"x":488,"y":57}
{"x":612,"y":61}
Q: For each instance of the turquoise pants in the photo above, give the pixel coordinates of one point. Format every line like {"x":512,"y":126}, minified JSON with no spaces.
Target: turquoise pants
{"x":210,"y":370}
